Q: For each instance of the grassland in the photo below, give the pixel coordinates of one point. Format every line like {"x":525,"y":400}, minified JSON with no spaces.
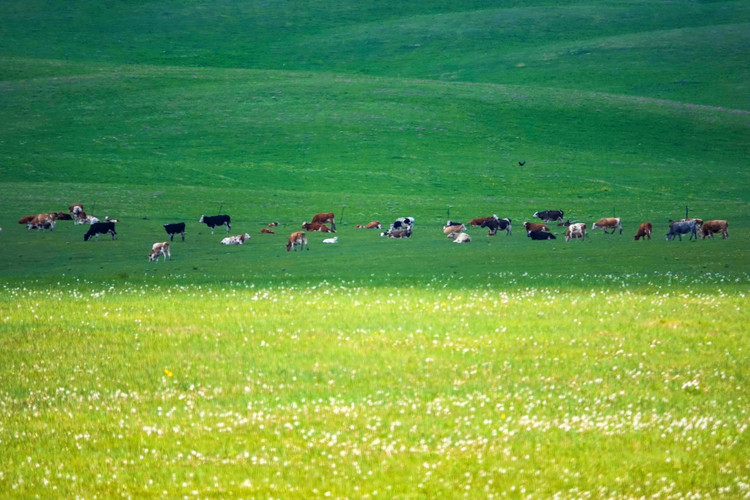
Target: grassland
{"x":373,"y":368}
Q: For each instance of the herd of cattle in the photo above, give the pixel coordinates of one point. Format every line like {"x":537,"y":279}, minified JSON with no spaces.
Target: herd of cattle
{"x":402,"y":227}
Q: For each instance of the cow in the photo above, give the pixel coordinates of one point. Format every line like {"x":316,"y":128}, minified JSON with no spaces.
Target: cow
{"x":715,"y":226}
{"x":541,"y":235}
{"x":401,"y":224}
{"x":265,"y":230}
{"x":159,"y":249}
{"x":175,"y":228}
{"x":494,"y":225}
{"x":273,"y":224}
{"x":460,"y":237}
{"x":25,"y":220}
{"x":297,"y":239}
{"x":576,"y":230}
{"x":698,"y":222}
{"x":680,"y":228}
{"x":323,"y":218}
{"x":480,"y":220}
{"x":549,"y":215}
{"x":533,"y":226}
{"x":331,"y":240}
{"x":453,"y":223}
{"x":399,"y":233}
{"x":98,"y":228}
{"x":74,"y":209}
{"x":43,"y":221}
{"x":107,"y":219}
{"x":83,"y":218}
{"x":459,"y":228}
{"x":644,"y":230}
{"x":372,"y":225}
{"x":314,"y":226}
{"x":216,"y":220}
{"x":63,"y":216}
{"x":240,"y":239}
{"x":612,"y":223}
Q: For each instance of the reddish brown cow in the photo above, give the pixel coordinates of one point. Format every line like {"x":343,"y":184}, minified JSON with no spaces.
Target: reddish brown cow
{"x":297,"y":239}
{"x":27,"y":219}
{"x":644,"y":231}
{"x":273,"y":224}
{"x":63,"y":216}
{"x":481,"y":220}
{"x":310,"y":226}
{"x":533,"y":226}
{"x":74,"y":209}
{"x":715,"y":226}
{"x":372,"y":225}
{"x":612,"y":223}
{"x":267,"y":231}
{"x":323,"y":218}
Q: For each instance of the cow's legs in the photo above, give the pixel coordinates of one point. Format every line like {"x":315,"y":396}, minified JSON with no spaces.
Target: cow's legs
{"x":229,"y":227}
{"x":183,"y":237}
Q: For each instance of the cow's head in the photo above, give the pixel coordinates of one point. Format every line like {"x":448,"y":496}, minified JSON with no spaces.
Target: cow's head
{"x":203,"y":219}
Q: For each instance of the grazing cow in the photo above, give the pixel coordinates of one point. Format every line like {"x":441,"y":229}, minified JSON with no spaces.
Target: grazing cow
{"x":644,"y":231}
{"x":460,"y":237}
{"x":273,"y":224}
{"x":612,"y":223}
{"x":240,"y":239}
{"x":550,"y":215}
{"x":715,"y":226}
{"x":533,"y":226}
{"x":401,"y":224}
{"x":331,"y":240}
{"x":372,"y":225}
{"x":297,"y":239}
{"x":159,"y":249}
{"x":176,"y":228}
{"x":63,"y":216}
{"x":323,"y":218}
{"x":541,"y":235}
{"x":74,"y":209}
{"x":680,"y":228}
{"x":98,"y":228}
{"x":576,"y":230}
{"x":454,"y":229}
{"x":265,"y":230}
{"x":314,"y":226}
{"x":493,"y":225}
{"x":217,"y":220}
{"x":27,"y":219}
{"x":480,"y":220}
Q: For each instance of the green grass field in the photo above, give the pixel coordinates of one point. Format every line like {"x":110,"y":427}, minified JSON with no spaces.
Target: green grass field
{"x":374,"y":368}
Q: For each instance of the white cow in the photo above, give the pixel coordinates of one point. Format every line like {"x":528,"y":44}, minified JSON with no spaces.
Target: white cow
{"x":235,"y":240}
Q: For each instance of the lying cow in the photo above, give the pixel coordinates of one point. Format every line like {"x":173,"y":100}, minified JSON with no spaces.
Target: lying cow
{"x":213,"y":221}
{"x":481,"y":220}
{"x":176,"y":228}
{"x":550,"y":215}
{"x":273,"y":224}
{"x":159,"y":249}
{"x":715,"y":226}
{"x":314,"y":226}
{"x":25,"y":220}
{"x":265,"y":230}
{"x":331,"y":240}
{"x":83,"y":218}
{"x":460,"y":237}
{"x":401,"y":224}
{"x":372,"y":225}
{"x":612,"y":223}
{"x":235,"y":240}
{"x":494,"y":224}
{"x":533,"y":226}
{"x":98,"y":228}
{"x":458,"y":228}
{"x":399,"y":233}
{"x":577,"y":230}
{"x":644,"y":231}
{"x":541,"y":235}
{"x":63,"y":216}
{"x":680,"y":228}
{"x":324,"y":218}
{"x":297,"y":239}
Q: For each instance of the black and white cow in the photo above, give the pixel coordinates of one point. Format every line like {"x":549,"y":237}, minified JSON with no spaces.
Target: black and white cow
{"x":401,"y":224}
{"x":216,"y":220}
{"x":176,"y":228}
{"x":541,"y":235}
{"x":548,"y":215}
{"x":98,"y":228}
{"x":680,"y":228}
{"x":494,"y":224}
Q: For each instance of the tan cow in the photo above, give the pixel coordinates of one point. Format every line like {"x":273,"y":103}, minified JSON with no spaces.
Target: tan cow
{"x":265,"y":230}
{"x":323,"y":218}
{"x":612,"y":223}
{"x":533,"y":226}
{"x":644,"y":231}
{"x":372,"y":225}
{"x":458,"y":237}
{"x":297,"y":239}
{"x":454,"y":229}
{"x":159,"y":249}
{"x":715,"y":226}
{"x":314,"y":226}
{"x":577,"y":230}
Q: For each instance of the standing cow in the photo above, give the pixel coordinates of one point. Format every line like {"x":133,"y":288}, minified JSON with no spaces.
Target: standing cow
{"x":644,"y":231}
{"x":323,"y":218}
{"x":550,"y":215}
{"x":680,"y":228}
{"x":298,"y":239}
{"x":159,"y":249}
{"x":715,"y":226}
{"x":612,"y":223}
{"x":176,"y":228}
{"x":217,"y":220}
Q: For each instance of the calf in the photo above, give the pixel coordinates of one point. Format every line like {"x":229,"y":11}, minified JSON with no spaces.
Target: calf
{"x":715,"y":226}
{"x":541,"y":235}
{"x":460,"y":237}
{"x":680,"y":228}
{"x":372,"y":225}
{"x":235,"y":240}
{"x":495,"y":224}
{"x":265,"y":230}
{"x":314,"y":226}
{"x":297,"y":239}
{"x":323,"y":218}
{"x":480,"y":220}
{"x":577,"y":230}
{"x":454,"y":229}
{"x":98,"y":228}
{"x":159,"y":249}
{"x":331,"y":240}
{"x":550,"y":215}
{"x":644,"y":230}
{"x":612,"y":223}
{"x":176,"y":228}
{"x":216,"y":220}
{"x":533,"y":226}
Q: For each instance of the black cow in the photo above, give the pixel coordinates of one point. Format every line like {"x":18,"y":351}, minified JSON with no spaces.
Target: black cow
{"x":98,"y":228}
{"x":541,"y":235}
{"x":494,"y":224}
{"x":217,"y":220}
{"x":680,"y":228}
{"x":548,"y":215}
{"x":172,"y":229}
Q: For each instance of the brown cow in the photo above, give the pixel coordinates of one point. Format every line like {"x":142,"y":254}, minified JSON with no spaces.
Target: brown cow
{"x":297,"y":239}
{"x":576,"y":230}
{"x":533,"y":226}
{"x":454,"y":229}
{"x":481,"y":220}
{"x":310,"y":226}
{"x":74,"y":209}
{"x":323,"y":218}
{"x":372,"y":225}
{"x":63,"y":216}
{"x":273,"y":224}
{"x":644,"y":230}
{"x":27,"y":219}
{"x":612,"y":223}
{"x":715,"y":226}
{"x":43,"y":221}
{"x":267,"y":231}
